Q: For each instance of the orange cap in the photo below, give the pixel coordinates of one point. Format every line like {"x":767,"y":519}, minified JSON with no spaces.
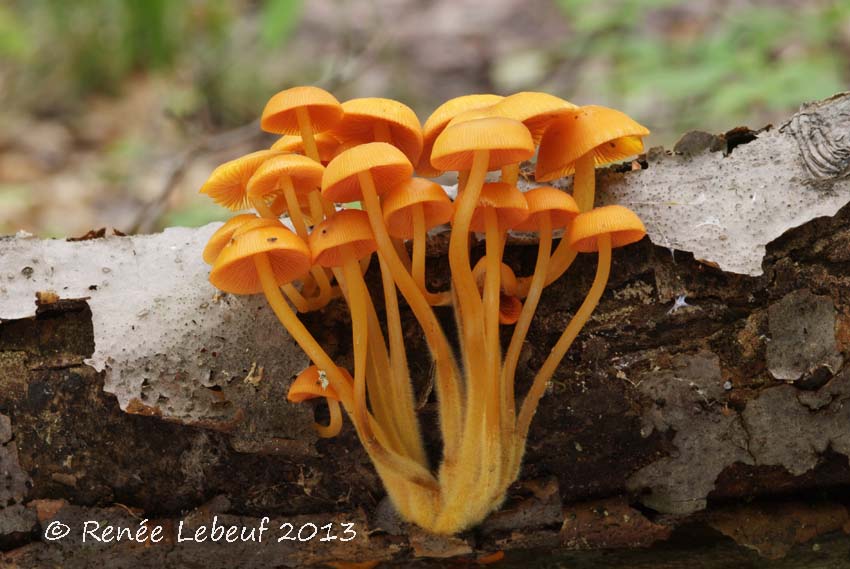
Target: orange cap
{"x":306,"y":175}
{"x":535,"y":110}
{"x":438,"y":121}
{"x":310,"y":384}
{"x":325,"y":143}
{"x":222,"y":236}
{"x":347,"y":227}
{"x":620,"y":222}
{"x":386,"y":163}
{"x":560,"y":206}
{"x":508,"y":141}
{"x":234,"y":270}
{"x":509,"y":203}
{"x":279,"y":115}
{"x":227,"y":185}
{"x":358,"y":124}
{"x":398,"y":204}
{"x":608,"y":133}
{"x":510,"y":305}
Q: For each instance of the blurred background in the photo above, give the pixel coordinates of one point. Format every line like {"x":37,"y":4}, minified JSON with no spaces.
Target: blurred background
{"x":113,"y":112}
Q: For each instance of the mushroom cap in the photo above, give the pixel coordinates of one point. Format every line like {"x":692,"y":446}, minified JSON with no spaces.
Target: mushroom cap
{"x":347,"y":227}
{"x":560,"y":206}
{"x":472,"y":114}
{"x":510,"y":307}
{"x":507,"y":140}
{"x":309,"y":385}
{"x":228,"y":183}
{"x":398,"y":206}
{"x":326,"y":144}
{"x":610,"y":134}
{"x":306,"y":175}
{"x":507,"y":277}
{"x":387,"y":164}
{"x":620,"y":222}
{"x":438,"y":121}
{"x":508,"y":201}
{"x":234,"y":270}
{"x":535,"y":110}
{"x":279,"y":115}
{"x":223,"y":234}
{"x":358,"y":124}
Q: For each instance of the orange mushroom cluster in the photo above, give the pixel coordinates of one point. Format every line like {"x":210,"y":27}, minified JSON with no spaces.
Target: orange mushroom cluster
{"x":367,"y":150}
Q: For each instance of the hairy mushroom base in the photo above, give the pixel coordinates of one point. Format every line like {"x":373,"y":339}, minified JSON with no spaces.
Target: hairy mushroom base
{"x":483,"y":428}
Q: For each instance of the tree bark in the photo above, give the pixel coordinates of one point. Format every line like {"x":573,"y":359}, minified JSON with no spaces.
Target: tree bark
{"x":698,"y":405}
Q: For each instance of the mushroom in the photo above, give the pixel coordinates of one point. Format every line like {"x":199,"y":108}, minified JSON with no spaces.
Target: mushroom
{"x":478,"y":145}
{"x":439,"y":120}
{"x":305,"y":111}
{"x":598,"y":230}
{"x":587,"y":137}
{"x":548,"y":209}
{"x":293,"y":175}
{"x":509,"y":303}
{"x":500,"y":207}
{"x":228,"y":183}
{"x":536,"y":111}
{"x":374,"y":119}
{"x":312,"y":383}
{"x":326,"y":145}
{"x":362,"y":173}
{"x":241,"y":224}
{"x":410,"y":210}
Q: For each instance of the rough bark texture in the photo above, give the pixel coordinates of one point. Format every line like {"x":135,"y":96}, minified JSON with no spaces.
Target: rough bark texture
{"x":698,"y":407}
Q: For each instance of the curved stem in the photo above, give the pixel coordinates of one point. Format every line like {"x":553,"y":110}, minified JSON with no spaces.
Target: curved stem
{"x":297,"y":217}
{"x":448,"y":390}
{"x":508,"y":383}
{"x":306,"y":128}
{"x":529,"y":405}
{"x":296,"y":298}
{"x":401,"y":466}
{"x":335,"y":424}
{"x":420,"y":240}
{"x":584,"y":182}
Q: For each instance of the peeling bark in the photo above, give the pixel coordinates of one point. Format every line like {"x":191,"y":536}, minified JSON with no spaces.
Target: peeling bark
{"x":690,"y":389}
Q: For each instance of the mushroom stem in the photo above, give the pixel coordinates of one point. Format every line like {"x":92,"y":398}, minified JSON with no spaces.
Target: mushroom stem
{"x":493,"y":417}
{"x":448,"y":389}
{"x":263,"y":209}
{"x":584,"y":182}
{"x":462,"y":177}
{"x":302,"y":115}
{"x":297,"y":217}
{"x":405,"y":468}
{"x":296,"y":298}
{"x":420,"y":240}
{"x":529,"y":405}
{"x":477,"y":441}
{"x":535,"y":289}
{"x":334,"y":425}
{"x":510,"y":173}
{"x":399,"y":381}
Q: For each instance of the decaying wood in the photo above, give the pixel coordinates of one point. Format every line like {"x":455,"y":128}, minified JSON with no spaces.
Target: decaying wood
{"x":698,"y":405}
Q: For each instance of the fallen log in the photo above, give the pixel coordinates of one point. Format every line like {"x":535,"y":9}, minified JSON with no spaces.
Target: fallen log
{"x":713,"y":373}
